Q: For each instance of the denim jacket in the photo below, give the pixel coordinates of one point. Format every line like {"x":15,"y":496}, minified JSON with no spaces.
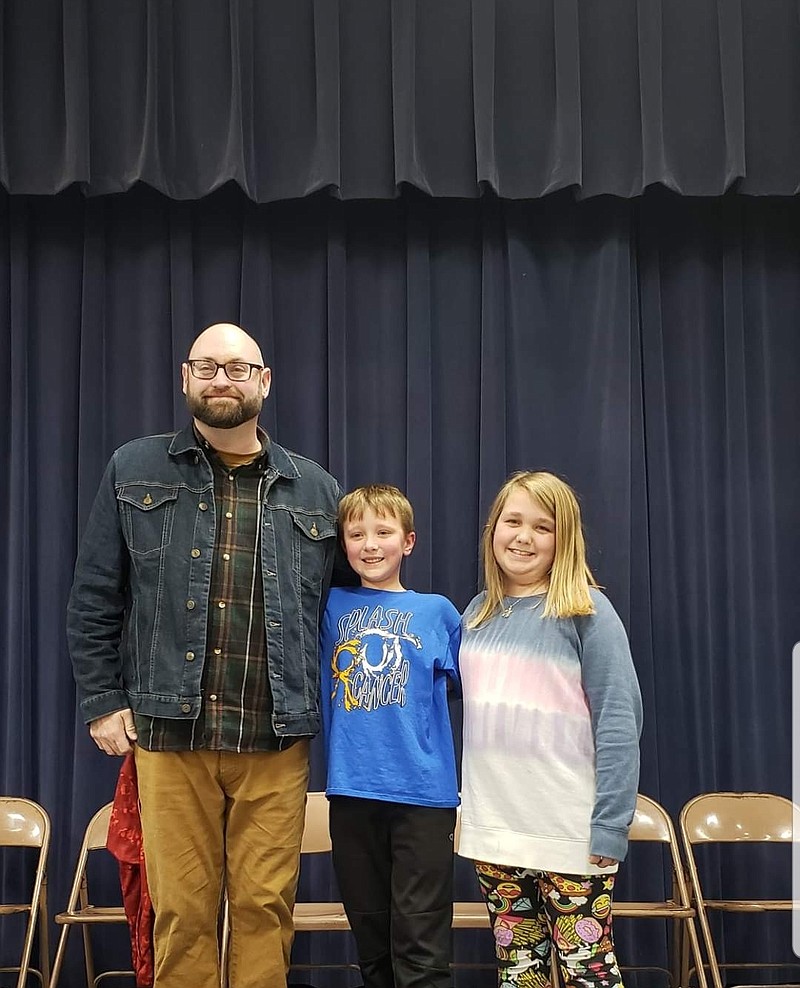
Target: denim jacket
{"x":138,"y":610}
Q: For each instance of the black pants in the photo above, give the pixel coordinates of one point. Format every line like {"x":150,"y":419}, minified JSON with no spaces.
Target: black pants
{"x":394,"y":864}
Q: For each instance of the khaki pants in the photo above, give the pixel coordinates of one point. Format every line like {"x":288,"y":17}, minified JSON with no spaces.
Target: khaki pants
{"x":210,"y":817}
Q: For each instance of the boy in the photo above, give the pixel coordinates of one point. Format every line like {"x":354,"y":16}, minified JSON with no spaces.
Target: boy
{"x":387,"y":656}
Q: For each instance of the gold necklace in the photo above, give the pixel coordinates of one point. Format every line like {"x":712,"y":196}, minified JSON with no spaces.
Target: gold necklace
{"x":506,"y":611}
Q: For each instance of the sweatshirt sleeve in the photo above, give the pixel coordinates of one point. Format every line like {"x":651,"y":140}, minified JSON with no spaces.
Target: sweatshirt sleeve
{"x":615,"y":703}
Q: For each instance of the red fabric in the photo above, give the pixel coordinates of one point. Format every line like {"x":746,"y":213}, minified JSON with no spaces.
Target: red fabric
{"x":125,"y":843}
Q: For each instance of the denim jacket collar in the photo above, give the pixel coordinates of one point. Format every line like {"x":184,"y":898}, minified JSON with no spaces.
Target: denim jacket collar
{"x":185,"y":441}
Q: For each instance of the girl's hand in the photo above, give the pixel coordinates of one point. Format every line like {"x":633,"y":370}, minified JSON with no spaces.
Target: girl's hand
{"x":601,"y":862}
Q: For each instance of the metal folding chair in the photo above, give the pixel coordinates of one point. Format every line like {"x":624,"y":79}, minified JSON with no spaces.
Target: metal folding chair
{"x":652,"y":823}
{"x":729,"y":818}
{"x":80,"y":911}
{"x":25,"y":824}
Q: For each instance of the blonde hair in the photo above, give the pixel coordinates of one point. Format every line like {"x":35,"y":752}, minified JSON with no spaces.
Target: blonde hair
{"x":384,"y":499}
{"x":570,"y":576}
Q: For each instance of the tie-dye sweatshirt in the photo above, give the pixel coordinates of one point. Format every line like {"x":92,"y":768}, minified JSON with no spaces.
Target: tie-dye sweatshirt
{"x":552,"y":718}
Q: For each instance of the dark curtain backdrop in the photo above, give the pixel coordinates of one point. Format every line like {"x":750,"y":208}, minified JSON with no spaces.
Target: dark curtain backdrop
{"x":362,"y":97}
{"x":646,"y":350}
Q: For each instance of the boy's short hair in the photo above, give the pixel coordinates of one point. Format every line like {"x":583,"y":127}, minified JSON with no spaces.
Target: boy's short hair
{"x":385,"y":500}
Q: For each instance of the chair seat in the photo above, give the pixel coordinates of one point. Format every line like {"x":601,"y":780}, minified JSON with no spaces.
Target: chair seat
{"x":470,"y":915}
{"x":320,"y":916}
{"x":92,"y":914}
{"x":666,"y":909}
{"x":11,"y":908}
{"x":751,"y":905}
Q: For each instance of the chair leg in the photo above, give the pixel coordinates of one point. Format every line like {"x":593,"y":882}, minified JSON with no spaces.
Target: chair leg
{"x":676,"y":949}
{"x":711,"y":953}
{"x":698,"y":956}
{"x":44,"y":940}
{"x":58,"y":963}
{"x":27,"y":948}
{"x":88,"y":957}
{"x":683,"y":978}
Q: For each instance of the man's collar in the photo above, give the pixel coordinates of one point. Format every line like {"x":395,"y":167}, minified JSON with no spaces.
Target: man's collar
{"x":185,"y":441}
{"x":188,"y":440}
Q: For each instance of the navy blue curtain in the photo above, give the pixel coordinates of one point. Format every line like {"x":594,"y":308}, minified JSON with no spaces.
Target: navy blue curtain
{"x":365,"y":97}
{"x":647,"y":350}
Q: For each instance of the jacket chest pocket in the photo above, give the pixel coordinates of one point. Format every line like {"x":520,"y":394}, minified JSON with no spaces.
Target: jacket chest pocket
{"x":147,"y":515}
{"x":312,"y":536}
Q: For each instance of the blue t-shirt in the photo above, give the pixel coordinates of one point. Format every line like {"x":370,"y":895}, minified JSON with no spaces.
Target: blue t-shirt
{"x":386,"y":659}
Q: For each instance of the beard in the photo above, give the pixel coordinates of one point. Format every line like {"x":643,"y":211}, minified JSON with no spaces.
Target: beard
{"x":224,"y":414}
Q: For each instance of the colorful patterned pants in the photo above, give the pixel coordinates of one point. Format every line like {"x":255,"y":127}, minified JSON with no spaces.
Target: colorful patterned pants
{"x":533,"y":912}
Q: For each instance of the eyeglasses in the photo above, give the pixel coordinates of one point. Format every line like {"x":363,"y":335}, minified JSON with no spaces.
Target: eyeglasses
{"x":235,"y":370}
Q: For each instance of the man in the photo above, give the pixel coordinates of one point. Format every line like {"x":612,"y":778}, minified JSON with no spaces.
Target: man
{"x":193,"y":629}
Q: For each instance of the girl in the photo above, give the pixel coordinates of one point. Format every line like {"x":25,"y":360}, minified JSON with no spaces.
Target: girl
{"x":552,"y":718}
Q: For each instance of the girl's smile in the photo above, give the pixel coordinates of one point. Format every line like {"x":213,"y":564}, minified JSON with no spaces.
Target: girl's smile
{"x":524,"y":544}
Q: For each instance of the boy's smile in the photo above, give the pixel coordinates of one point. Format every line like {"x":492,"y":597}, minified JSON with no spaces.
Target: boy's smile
{"x":375,"y":547}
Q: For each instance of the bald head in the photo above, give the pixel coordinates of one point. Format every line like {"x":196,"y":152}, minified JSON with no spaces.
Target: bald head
{"x":229,"y":340}
{"x":215,"y":399}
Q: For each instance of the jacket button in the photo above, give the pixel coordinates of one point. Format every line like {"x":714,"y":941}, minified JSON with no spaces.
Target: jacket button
{"x":189,"y":605}
{"x":185,"y":708}
{"x":203,"y":506}
{"x":190,"y":656}
{"x":195,"y":553}
{"x":274,"y":624}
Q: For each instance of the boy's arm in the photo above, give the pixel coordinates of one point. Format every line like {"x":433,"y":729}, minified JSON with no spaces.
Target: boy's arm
{"x":453,"y":674}
{"x":449,"y":661}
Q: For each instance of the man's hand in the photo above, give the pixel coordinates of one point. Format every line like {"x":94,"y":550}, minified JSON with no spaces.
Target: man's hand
{"x":601,"y":862}
{"x":114,"y":733}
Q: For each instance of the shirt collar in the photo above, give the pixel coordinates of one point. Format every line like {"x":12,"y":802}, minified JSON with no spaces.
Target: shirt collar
{"x":188,"y":440}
